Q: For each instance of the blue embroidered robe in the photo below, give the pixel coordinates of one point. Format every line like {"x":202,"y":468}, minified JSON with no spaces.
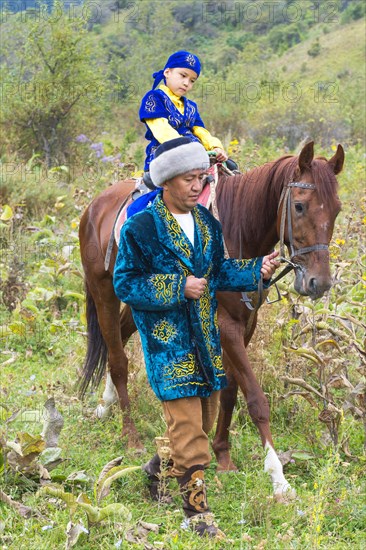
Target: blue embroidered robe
{"x":156,"y":104}
{"x":180,"y":337}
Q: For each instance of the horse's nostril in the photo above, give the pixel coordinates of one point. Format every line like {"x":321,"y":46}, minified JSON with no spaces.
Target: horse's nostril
{"x":313,"y":285}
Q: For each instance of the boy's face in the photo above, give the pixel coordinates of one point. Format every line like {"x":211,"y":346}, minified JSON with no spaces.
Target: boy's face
{"x":180,"y":81}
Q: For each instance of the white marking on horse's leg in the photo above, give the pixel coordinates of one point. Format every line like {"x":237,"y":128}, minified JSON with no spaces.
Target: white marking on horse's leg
{"x":109,"y":397}
{"x":272,"y":465}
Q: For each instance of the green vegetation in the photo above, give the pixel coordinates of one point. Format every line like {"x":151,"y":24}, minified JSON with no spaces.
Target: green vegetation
{"x":289,"y":71}
{"x":43,"y":329}
{"x":262,"y":93}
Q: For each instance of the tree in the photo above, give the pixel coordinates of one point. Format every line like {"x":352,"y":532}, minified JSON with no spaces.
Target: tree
{"x":52,"y":83}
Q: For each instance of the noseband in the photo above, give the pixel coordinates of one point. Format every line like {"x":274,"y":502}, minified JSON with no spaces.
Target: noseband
{"x":286,"y":200}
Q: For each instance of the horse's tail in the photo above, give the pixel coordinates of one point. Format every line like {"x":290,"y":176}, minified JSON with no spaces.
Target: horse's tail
{"x":96,"y":353}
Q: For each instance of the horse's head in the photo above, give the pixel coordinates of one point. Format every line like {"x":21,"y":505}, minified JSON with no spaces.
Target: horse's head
{"x":308,"y":209}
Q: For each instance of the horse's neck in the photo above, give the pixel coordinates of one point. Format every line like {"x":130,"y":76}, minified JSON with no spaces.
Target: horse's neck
{"x":251,"y":230}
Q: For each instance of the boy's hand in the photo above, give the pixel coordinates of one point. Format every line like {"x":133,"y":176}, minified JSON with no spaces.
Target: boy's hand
{"x":220,"y":154}
{"x":269,"y":265}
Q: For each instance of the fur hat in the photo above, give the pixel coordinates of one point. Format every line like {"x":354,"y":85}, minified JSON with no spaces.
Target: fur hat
{"x":176,"y":157}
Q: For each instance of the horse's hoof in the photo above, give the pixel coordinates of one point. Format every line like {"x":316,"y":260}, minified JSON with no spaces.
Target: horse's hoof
{"x":102,"y":412}
{"x":133,"y":441}
{"x":136,"y":448}
{"x":226,"y":466}
{"x":285,"y":494}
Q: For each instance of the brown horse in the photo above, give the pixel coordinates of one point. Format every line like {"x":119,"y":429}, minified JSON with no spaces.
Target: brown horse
{"x":294,"y":200}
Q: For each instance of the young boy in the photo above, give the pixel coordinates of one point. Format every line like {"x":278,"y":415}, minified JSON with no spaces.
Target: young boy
{"x":168,"y":114}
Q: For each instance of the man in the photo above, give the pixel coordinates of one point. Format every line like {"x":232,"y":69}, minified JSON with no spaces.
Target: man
{"x":169,"y":266}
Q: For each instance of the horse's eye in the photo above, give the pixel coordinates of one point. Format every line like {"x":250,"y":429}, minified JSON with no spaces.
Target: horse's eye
{"x":299,"y":208}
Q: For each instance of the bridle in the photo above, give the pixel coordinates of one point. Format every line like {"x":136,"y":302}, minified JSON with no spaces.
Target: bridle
{"x":286,"y":202}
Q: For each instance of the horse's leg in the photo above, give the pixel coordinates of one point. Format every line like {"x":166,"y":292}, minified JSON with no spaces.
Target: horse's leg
{"x":109,"y":398}
{"x":108,"y":310}
{"x":220,"y":443}
{"x":258,"y":406}
{"x":110,"y":394}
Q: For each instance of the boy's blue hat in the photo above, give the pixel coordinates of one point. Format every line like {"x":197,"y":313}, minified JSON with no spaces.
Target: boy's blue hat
{"x":180,"y":59}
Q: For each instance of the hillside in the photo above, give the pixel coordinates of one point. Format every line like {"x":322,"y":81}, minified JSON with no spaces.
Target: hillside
{"x":71,"y":88}
{"x":278,"y":71}
{"x":246,"y":88}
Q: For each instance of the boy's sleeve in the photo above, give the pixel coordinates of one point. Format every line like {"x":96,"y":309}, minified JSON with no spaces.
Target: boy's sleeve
{"x":208,"y":141}
{"x":198,"y":129}
{"x":136,"y":286}
{"x":161,"y":129}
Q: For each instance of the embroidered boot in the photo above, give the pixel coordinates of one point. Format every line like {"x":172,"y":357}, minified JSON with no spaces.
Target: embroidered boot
{"x":193,"y":490}
{"x":157,"y":480}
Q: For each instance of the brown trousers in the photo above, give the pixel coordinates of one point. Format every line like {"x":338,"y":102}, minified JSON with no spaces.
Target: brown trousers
{"x":189,"y":420}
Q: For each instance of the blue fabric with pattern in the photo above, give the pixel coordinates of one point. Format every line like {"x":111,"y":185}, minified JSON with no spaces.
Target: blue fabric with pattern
{"x":141,"y":202}
{"x":156,"y":104}
{"x":180,"y":337}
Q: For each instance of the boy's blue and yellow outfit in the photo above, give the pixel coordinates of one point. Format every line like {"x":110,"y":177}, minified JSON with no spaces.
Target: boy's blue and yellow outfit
{"x":168,"y":116}
{"x":180,"y":337}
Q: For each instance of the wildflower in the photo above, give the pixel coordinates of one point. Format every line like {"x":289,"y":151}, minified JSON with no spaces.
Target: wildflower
{"x":118,"y":543}
{"x":111,"y":158}
{"x":185,"y":524}
{"x":97,"y":148}
{"x":82,"y":138}
{"x":340,"y":241}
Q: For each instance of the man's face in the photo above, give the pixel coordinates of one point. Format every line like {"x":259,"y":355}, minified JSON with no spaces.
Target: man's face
{"x":181,"y":193}
{"x":180,"y":81}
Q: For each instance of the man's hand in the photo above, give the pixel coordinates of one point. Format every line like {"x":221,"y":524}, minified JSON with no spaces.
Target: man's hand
{"x":221,"y":155}
{"x":194,"y":287}
{"x":269,"y":265}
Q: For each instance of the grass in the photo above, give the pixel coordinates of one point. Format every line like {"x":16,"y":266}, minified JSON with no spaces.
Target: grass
{"x":46,"y":346}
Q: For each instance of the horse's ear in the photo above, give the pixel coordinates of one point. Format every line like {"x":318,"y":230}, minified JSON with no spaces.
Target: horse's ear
{"x":337,"y":161}
{"x":306,"y":156}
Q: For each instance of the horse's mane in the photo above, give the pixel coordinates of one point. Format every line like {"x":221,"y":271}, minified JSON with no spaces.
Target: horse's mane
{"x":259,"y":190}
